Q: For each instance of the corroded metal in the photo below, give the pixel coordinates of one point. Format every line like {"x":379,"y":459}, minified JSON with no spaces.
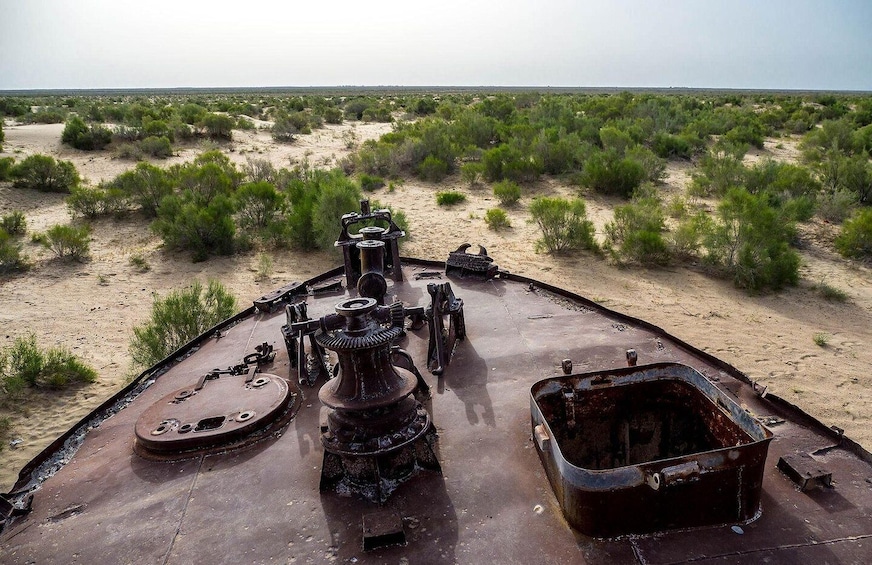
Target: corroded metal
{"x":645,"y":449}
{"x":463,"y":264}
{"x":377,"y":432}
{"x":442,"y":339}
{"x":390,"y":235}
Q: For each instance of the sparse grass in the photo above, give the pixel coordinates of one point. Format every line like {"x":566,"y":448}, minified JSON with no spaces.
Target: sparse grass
{"x":264,"y":268}
{"x":23,"y":364}
{"x":5,"y":431}
{"x":497,"y":219}
{"x":832,"y":293}
{"x":139,"y":263}
{"x":102,"y":280}
{"x":821,"y":339}
{"x":450,"y":198}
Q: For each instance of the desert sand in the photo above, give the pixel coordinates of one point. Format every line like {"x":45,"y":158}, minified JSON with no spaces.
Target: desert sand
{"x":91,"y":307}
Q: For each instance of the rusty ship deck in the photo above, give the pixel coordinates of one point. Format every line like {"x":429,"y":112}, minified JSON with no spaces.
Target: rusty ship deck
{"x":97,"y":501}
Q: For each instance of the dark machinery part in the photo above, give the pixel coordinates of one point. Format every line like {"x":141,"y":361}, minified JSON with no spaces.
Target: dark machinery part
{"x":372,"y":283}
{"x":269,"y":302}
{"x":807,"y":473}
{"x":310,"y":366}
{"x":377,"y":433}
{"x":470,"y":265}
{"x":442,"y":340}
{"x":389,"y":235}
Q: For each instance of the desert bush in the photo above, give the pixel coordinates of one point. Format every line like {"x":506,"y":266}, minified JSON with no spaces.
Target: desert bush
{"x":449,"y":198}
{"x":472,"y":173}
{"x":140,"y":263}
{"x":69,"y":241}
{"x":747,"y":134}
{"x":507,"y":192}
{"x":615,"y":139}
{"x":564,"y":224}
{"x":433,"y":169}
{"x":128,"y":151}
{"x":855,"y":240}
{"x":654,"y":166}
{"x":14,"y":223}
{"x":750,"y":242}
{"x":332,"y":115}
{"x":43,"y":173}
{"x":668,"y":146}
{"x":11,"y":259}
{"x":6,"y":164}
{"x":636,"y":232}
{"x":159,"y":147}
{"x":284,"y":130}
{"x":836,"y":206}
{"x":23,"y":364}
{"x":177,"y":318}
{"x":257,"y":204}
{"x":685,"y":241}
{"x":186,"y":222}
{"x":508,"y":162}
{"x":217,"y":126}
{"x":146,"y":186}
{"x":497,"y":219}
{"x":259,"y":170}
{"x":336,"y":196}
{"x":368,"y":183}
{"x":5,"y":429}
{"x":609,"y":173}
{"x":88,"y":138}
{"x":719,"y":170}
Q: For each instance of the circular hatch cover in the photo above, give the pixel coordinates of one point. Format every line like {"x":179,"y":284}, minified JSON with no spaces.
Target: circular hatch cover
{"x":224,"y":413}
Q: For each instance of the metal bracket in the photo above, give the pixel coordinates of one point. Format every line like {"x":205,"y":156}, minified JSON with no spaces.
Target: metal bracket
{"x":309,"y":366}
{"x":805,"y":472}
{"x":442,"y":340}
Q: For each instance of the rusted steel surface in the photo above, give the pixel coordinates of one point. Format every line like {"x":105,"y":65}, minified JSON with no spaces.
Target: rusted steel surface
{"x":646,"y":449}
{"x":492,"y":503}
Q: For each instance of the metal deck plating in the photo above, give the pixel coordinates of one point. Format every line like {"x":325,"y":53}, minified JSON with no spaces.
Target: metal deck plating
{"x":492,"y":503}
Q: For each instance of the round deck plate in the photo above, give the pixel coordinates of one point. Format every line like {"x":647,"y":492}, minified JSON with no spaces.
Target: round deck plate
{"x":223,"y":411}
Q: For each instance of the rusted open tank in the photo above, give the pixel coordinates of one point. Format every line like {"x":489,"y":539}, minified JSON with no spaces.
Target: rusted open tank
{"x":380,"y":412}
{"x":643,"y":449}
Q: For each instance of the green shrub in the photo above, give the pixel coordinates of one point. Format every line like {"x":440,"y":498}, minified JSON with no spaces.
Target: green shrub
{"x":497,"y":219}
{"x":11,"y":259}
{"x":750,"y":242}
{"x":23,"y":364}
{"x":433,"y":169}
{"x":336,"y":196}
{"x":257,"y":204}
{"x":668,"y":146}
{"x":686,"y":240}
{"x":6,"y":164}
{"x":217,"y":126}
{"x":472,"y":173}
{"x":128,"y":151}
{"x":159,"y":147}
{"x":370,"y":182}
{"x":88,"y":138}
{"x":636,"y":233}
{"x":43,"y":173}
{"x":719,"y":170}
{"x":609,"y":173}
{"x":146,"y":186}
{"x":507,"y":192}
{"x":5,"y":430}
{"x":14,"y":223}
{"x":836,"y":206}
{"x":821,"y":339}
{"x":178,"y":318}
{"x":564,"y":224}
{"x":449,"y":198}
{"x":855,"y":240}
{"x":654,"y":166}
{"x":95,"y":202}
{"x":284,"y":130}
{"x":69,"y":241}
{"x":332,"y":115}
{"x":508,"y":162}
{"x":185,"y":222}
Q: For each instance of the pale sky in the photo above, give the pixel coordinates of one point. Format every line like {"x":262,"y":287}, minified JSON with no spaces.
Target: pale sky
{"x":780,"y":44}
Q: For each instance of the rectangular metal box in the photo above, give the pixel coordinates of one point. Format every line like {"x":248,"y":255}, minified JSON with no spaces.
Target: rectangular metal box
{"x":649,"y":448}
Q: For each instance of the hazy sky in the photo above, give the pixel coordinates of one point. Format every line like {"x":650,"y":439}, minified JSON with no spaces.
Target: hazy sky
{"x":686,"y":43}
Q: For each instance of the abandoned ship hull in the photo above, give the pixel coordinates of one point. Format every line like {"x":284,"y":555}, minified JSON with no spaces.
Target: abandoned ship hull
{"x":97,"y":498}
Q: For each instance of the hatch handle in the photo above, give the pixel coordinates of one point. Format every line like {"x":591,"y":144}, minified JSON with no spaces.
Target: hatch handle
{"x":674,"y":475}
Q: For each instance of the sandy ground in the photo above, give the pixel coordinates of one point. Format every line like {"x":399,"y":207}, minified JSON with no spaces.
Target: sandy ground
{"x":91,"y":307}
